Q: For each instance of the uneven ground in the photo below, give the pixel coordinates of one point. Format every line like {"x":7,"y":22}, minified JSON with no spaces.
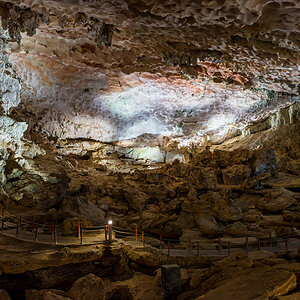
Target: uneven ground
{"x":179,"y":118}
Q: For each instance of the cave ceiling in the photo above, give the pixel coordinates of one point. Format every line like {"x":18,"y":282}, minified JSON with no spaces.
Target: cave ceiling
{"x":191,"y":71}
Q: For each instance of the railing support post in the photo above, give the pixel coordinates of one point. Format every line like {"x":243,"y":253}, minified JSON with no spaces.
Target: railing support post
{"x":143,"y":238}
{"x":52,"y":233}
{"x":2,"y":221}
{"x":286,"y":243}
{"x":198,"y":249}
{"x":78,"y":230}
{"x":169,"y":248}
{"x":136,"y":233}
{"x":55,"y":236}
{"x":36,"y":234}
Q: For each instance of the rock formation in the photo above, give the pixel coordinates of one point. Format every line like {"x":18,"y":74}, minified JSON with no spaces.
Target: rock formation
{"x":179,"y":118}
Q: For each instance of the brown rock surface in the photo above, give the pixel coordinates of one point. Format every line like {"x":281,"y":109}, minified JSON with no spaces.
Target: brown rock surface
{"x":87,"y":287}
{"x":45,"y":295}
{"x":257,"y":284}
{"x":207,"y":224}
{"x":4,"y":295}
{"x":138,"y":287}
{"x":276,"y":200}
{"x":236,"y":174}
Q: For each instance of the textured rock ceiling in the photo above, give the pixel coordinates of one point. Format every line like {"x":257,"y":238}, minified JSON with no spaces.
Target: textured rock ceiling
{"x":190,"y":70}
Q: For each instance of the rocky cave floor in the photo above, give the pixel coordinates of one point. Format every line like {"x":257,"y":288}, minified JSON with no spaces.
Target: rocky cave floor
{"x":245,"y":187}
{"x":179,"y":118}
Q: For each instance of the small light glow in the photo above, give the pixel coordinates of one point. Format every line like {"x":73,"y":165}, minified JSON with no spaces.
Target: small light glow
{"x":109,"y":222}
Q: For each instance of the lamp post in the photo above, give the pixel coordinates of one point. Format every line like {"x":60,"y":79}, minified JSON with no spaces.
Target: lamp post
{"x":110,"y":230}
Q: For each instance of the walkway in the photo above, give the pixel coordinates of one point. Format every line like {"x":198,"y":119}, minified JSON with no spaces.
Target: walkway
{"x":21,"y":229}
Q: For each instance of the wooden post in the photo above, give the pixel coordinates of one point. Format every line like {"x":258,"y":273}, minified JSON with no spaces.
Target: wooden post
{"x":81,"y":237}
{"x":143,"y":238}
{"x":168,"y":248}
{"x":32,"y":225}
{"x":52,"y":232}
{"x":247,"y":241}
{"x":55,"y":236}
{"x":288,"y":234}
{"x":189,"y":245}
{"x":17,"y":230}
{"x":286,"y":243}
{"x":78,"y":230}
{"x":219,"y":242}
{"x":258,"y":245}
{"x":2,"y":220}
{"x":198,"y":249}
{"x":2,"y":225}
{"x":36,"y":234}
{"x":20,"y":222}
{"x":229,"y":248}
{"x":161,"y":241}
{"x":136,"y":233}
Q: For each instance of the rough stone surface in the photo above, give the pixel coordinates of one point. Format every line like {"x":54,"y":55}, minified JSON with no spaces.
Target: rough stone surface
{"x":87,"y":287}
{"x":277,"y":200}
{"x":264,"y":284}
{"x":45,"y":295}
{"x":4,"y":295}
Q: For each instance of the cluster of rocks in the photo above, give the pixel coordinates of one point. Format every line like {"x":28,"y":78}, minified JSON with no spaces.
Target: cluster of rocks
{"x":215,"y":192}
{"x":259,"y":274}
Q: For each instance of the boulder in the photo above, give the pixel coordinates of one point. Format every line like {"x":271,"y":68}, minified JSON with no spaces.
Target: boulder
{"x":207,"y":224}
{"x":108,"y":204}
{"x":45,"y":295}
{"x":252,"y":216}
{"x":192,"y":234}
{"x":236,"y":229}
{"x":221,"y":207}
{"x":261,"y":283}
{"x":138,"y":287}
{"x":229,"y":158}
{"x":294,"y":167}
{"x":292,"y":267}
{"x":144,"y":257}
{"x":276,"y":200}
{"x":291,"y":216}
{"x":136,"y":198}
{"x":207,"y":178}
{"x":265,"y":160}
{"x":87,"y":288}
{"x":4,"y":295}
{"x":235,"y":174}
{"x":70,"y":225}
{"x":261,"y":255}
{"x":82,"y":208}
{"x":198,"y":276}
{"x":293,"y":296}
